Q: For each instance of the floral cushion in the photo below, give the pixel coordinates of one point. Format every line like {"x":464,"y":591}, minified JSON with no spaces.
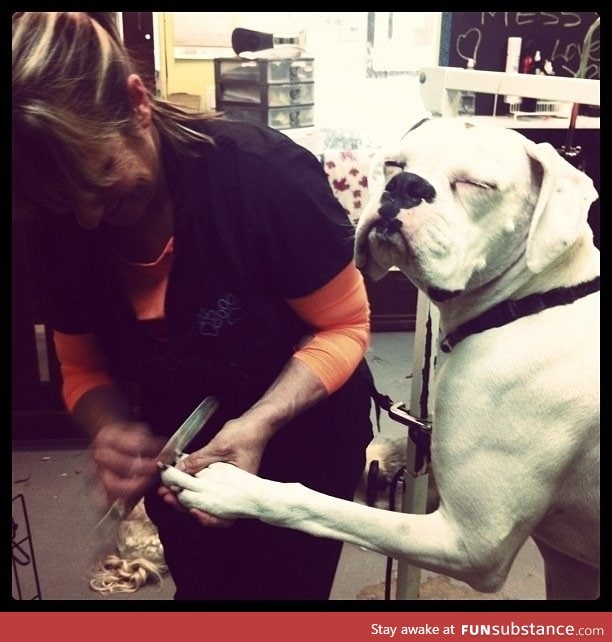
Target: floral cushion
{"x":347,"y":171}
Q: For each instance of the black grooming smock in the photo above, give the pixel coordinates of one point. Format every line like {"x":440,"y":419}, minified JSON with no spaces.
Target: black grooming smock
{"x":255,"y":223}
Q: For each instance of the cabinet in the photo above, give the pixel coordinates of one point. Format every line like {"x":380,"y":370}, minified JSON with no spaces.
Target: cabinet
{"x":393,"y":303}
{"x":276,"y":93}
{"x":37,"y":409}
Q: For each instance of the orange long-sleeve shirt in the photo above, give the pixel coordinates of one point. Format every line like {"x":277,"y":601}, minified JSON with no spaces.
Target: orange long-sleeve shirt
{"x":338,"y":313}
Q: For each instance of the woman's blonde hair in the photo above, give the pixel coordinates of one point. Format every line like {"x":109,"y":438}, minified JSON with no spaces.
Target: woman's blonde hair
{"x":70,"y":98}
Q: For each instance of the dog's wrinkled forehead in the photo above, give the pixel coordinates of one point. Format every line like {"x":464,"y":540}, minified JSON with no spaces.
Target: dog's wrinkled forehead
{"x":429,"y":125}
{"x":452,"y":146}
{"x":394,"y":160}
{"x":447,"y":132}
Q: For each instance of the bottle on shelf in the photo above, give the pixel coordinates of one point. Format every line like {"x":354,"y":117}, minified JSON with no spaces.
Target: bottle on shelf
{"x":538,"y":63}
{"x":467,"y":99}
{"x":513,"y":59}
{"x":527,"y":64}
{"x":528,"y":67}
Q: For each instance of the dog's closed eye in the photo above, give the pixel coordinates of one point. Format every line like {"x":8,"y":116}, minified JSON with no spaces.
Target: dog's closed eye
{"x":466,"y":181}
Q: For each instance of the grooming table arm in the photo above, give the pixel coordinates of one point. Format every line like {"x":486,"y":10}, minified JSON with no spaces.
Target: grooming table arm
{"x":414,"y":497}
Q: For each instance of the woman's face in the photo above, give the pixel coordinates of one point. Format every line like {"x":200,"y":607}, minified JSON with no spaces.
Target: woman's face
{"x":132,"y":163}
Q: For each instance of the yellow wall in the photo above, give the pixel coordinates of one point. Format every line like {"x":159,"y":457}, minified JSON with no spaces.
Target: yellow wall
{"x":195,"y":77}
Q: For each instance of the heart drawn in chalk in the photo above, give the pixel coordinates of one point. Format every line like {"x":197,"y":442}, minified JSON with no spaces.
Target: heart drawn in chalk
{"x":468,"y":44}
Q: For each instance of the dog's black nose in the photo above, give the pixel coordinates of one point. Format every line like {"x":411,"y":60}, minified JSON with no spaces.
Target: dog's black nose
{"x":405,"y":190}
{"x":407,"y":187}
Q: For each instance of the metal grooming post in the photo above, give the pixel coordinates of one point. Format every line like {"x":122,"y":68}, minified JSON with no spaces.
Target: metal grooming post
{"x":414,"y":497}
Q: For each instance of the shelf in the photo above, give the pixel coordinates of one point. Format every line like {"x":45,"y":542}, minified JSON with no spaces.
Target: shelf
{"x":441,"y":88}
{"x":530,"y":121}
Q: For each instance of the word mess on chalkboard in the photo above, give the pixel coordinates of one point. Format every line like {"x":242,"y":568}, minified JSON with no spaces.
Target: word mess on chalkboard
{"x":559,"y":36}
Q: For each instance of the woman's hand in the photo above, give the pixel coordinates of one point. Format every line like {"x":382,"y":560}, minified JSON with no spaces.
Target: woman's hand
{"x":125,"y":456}
{"x":239,"y":442}
{"x":242,"y":441}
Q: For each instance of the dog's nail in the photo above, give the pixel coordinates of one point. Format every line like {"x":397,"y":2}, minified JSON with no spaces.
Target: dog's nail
{"x":161,"y":466}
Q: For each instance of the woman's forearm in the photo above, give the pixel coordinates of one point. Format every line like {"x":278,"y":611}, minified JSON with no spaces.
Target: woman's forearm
{"x":99,"y":407}
{"x":296,"y":389}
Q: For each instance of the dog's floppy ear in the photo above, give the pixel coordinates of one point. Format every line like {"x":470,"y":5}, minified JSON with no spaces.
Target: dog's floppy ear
{"x":561,"y":209}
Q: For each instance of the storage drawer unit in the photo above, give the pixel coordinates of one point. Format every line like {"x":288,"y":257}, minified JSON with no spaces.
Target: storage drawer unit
{"x":276,"y":93}
{"x":275,"y":117}
{"x":270,"y":95}
{"x":262,"y":71}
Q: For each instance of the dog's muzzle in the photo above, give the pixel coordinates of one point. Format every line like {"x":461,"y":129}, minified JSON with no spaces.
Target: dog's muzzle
{"x":404,"y":191}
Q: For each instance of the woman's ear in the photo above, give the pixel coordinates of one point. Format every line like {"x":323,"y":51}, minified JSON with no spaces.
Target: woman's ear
{"x":139,"y":97}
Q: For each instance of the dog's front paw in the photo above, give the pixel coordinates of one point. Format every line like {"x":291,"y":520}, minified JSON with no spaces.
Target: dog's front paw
{"x":220,"y":489}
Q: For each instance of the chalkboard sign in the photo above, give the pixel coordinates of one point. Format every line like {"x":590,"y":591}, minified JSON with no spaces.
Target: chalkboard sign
{"x":483,"y":36}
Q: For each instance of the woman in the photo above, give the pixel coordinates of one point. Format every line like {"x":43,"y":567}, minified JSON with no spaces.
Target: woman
{"x":183,"y":256}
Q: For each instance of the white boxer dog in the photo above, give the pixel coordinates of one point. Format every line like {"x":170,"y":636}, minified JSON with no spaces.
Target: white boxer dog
{"x":493,"y":227}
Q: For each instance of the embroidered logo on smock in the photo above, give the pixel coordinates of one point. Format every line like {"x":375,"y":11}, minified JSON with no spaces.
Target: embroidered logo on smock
{"x":228,"y":311}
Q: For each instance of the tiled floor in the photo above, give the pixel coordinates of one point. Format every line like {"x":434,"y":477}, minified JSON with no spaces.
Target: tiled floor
{"x":56,"y":484}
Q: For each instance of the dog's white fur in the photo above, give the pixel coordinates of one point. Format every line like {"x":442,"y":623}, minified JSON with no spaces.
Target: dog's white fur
{"x":516,"y":422}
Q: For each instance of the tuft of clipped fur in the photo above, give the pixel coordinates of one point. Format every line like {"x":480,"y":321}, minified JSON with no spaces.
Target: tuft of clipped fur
{"x":137,"y":560}
{"x":390,"y":454}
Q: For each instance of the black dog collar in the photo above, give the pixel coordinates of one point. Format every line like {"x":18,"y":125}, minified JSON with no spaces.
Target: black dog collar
{"x":508,"y":311}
